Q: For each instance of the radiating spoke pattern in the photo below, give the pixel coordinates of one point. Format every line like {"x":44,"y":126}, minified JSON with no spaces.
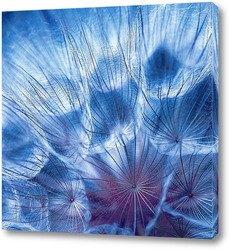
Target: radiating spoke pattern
{"x":129,"y":184}
{"x":110,"y":120}
{"x":191,"y":188}
{"x":68,"y":203}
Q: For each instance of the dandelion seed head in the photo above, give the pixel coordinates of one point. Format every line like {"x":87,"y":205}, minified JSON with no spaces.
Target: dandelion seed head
{"x":110,"y":120}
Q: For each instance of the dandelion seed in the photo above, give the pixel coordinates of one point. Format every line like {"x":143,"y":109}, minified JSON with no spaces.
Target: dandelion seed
{"x":183,"y":121}
{"x":67,"y":201}
{"x":128,"y":186}
{"x":190,"y":192}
